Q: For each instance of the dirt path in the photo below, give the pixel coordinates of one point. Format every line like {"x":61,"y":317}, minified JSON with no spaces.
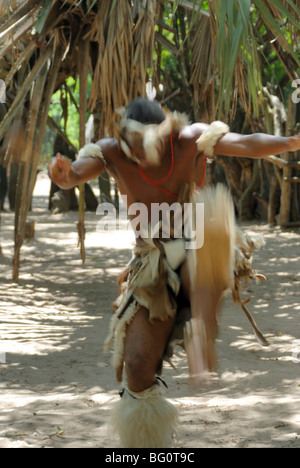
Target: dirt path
{"x":57,"y":385}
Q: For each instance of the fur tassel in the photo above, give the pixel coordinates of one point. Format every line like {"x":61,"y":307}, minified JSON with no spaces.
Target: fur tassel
{"x":212,"y":266}
{"x":117,"y":335}
{"x":211,"y":136}
{"x":225,"y":260}
{"x":150,"y":142}
{"x":211,"y":269}
{"x":145,"y":419}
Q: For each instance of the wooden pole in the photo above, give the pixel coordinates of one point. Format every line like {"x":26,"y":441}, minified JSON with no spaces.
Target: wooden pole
{"x":286,"y":189}
{"x":83,"y":65}
{"x":23,"y":194}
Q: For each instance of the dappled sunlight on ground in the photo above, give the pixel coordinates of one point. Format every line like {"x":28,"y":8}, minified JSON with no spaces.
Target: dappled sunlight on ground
{"x":57,"y":386}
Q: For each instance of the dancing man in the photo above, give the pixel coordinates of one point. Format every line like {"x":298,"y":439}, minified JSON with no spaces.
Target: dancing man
{"x":159,"y":158}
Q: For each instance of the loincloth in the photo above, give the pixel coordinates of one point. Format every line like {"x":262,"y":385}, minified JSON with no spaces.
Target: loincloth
{"x":152,"y":281}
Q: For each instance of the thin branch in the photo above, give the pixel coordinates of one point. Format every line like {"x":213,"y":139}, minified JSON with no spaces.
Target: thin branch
{"x":188,"y":5}
{"x":19,"y":14}
{"x":166,"y":43}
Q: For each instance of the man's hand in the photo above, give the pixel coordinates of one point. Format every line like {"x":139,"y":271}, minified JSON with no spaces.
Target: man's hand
{"x":294,"y":143}
{"x":59,"y":171}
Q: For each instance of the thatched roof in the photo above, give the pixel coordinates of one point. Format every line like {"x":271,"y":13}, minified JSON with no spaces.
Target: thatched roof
{"x":43,"y":42}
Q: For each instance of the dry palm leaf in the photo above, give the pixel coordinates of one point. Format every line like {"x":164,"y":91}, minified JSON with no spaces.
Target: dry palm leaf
{"x":124,"y":50}
{"x":203,"y":69}
{"x":111,"y":74}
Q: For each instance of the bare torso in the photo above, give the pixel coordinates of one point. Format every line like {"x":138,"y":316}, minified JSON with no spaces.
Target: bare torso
{"x":130,"y":182}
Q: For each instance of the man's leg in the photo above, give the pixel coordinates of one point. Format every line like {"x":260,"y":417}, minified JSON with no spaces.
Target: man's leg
{"x":145,"y":344}
{"x":143,"y":417}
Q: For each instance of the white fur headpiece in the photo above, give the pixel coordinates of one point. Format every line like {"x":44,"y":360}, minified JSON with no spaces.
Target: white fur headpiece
{"x":150,"y":136}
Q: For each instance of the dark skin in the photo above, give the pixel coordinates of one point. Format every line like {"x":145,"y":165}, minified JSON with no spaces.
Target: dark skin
{"x":145,"y":342}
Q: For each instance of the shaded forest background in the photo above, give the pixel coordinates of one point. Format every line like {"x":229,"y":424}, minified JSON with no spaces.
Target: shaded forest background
{"x":67,"y":66}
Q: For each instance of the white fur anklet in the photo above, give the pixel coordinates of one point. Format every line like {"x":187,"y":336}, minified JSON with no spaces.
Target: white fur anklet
{"x":144,"y":419}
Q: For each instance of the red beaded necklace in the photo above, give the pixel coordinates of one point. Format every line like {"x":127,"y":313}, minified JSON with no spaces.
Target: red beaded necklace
{"x":203,"y":174}
{"x":157,"y":183}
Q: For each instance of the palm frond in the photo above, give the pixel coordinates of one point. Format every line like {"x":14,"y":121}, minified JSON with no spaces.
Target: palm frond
{"x":203,"y":77}
{"x":125,"y":45}
{"x":22,"y":10}
{"x":24,"y":90}
{"x":274,"y":23}
{"x":42,"y":17}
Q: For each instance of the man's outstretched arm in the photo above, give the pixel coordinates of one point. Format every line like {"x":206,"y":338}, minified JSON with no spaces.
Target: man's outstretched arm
{"x":257,"y":145}
{"x":68,"y":175}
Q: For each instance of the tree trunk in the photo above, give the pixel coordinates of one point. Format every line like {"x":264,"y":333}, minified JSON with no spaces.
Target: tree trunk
{"x":273,"y":202}
{"x":105,"y":188}
{"x":233,"y":173}
{"x":3,"y":186}
{"x":246,"y":209}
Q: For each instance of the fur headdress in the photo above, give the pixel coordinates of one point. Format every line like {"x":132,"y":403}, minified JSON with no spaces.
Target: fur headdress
{"x":149,"y":137}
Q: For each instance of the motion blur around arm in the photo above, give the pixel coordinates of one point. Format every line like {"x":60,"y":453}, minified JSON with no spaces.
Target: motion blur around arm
{"x":89,"y":165}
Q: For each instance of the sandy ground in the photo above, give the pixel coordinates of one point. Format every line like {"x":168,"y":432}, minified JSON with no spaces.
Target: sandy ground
{"x":57,"y":386}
